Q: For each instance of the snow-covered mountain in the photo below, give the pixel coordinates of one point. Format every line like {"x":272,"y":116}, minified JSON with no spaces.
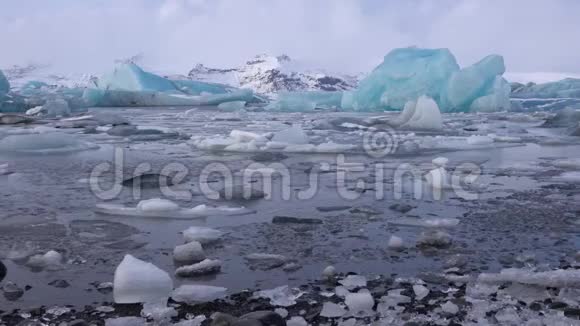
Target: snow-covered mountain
{"x":271,"y":74}
{"x":20,"y":75}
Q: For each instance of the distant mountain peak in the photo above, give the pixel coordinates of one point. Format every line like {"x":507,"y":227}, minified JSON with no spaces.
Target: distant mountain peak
{"x":267,"y":74}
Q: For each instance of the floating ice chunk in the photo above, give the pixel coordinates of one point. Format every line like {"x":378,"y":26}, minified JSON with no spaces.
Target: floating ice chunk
{"x":440,"y":161}
{"x":203,"y":235}
{"x":341,"y":291}
{"x":332,"y":310}
{"x":37,"y":110}
{"x":420,"y":291}
{"x":331,"y":147}
{"x":329,"y":272}
{"x":360,"y":304}
{"x":164,"y":208}
{"x":559,"y":278}
{"x":565,"y":88}
{"x":191,"y":252}
{"x":526,"y":293}
{"x":354,"y":281}
{"x":292,"y":135}
{"x":47,"y":143}
{"x":394,"y":298}
{"x":158,"y":312}
{"x":296,"y":321}
{"x":395,"y":242}
{"x":191,"y":294}
{"x":232,"y":106}
{"x":567,"y":164}
{"x":51,"y":259}
{"x":157,"y":205}
{"x":240,"y":136}
{"x":450,"y":308}
{"x":479,"y":140}
{"x":197,"y":321}
{"x":204,"y":267}
{"x":56,"y":108}
{"x":426,"y":222}
{"x":424,"y":115}
{"x":572,"y":177}
{"x":137,"y":281}
{"x":283,"y":296}
{"x":125,"y":321}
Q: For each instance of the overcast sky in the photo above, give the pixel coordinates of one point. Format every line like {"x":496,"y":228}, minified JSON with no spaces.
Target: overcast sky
{"x":340,"y":35}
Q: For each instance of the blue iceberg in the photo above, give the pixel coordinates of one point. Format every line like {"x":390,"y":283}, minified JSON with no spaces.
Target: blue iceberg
{"x":407,"y":74}
{"x":129,"y":85}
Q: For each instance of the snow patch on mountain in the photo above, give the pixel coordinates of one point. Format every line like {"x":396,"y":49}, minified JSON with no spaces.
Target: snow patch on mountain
{"x":267,"y":74}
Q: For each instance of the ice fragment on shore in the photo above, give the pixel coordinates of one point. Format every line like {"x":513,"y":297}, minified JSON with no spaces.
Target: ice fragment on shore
{"x":191,"y":294}
{"x":207,"y":266}
{"x":283,"y":296}
{"x":191,"y":252}
{"x":137,"y":281}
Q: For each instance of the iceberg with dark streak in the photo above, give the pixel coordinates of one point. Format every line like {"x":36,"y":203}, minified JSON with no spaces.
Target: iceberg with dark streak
{"x":129,"y":85}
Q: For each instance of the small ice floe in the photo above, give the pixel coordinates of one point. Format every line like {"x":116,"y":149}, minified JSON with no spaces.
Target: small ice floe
{"x":420,"y":291}
{"x":572,"y":177}
{"x":157,"y":207}
{"x":560,"y":278}
{"x":434,"y":222}
{"x":232,"y":106}
{"x":191,"y":294}
{"x":11,"y":291}
{"x":191,"y":252}
{"x":204,"y":267}
{"x":293,"y":139}
{"x":395,"y":243}
{"x":361,"y":303}
{"x":50,"y":260}
{"x":332,"y":310}
{"x":450,"y":308}
{"x":329,"y":273}
{"x":282,"y":296}
{"x":5,"y":169}
{"x":265,"y":261}
{"x":137,"y":281}
{"x":47,"y":143}
{"x":297,"y":321}
{"x":201,"y":234}
{"x":125,"y":321}
{"x":159,"y":312}
{"x":352,"y":282}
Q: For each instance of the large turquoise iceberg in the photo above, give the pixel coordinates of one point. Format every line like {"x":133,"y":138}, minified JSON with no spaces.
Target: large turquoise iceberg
{"x":129,"y":85}
{"x":407,"y":74}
